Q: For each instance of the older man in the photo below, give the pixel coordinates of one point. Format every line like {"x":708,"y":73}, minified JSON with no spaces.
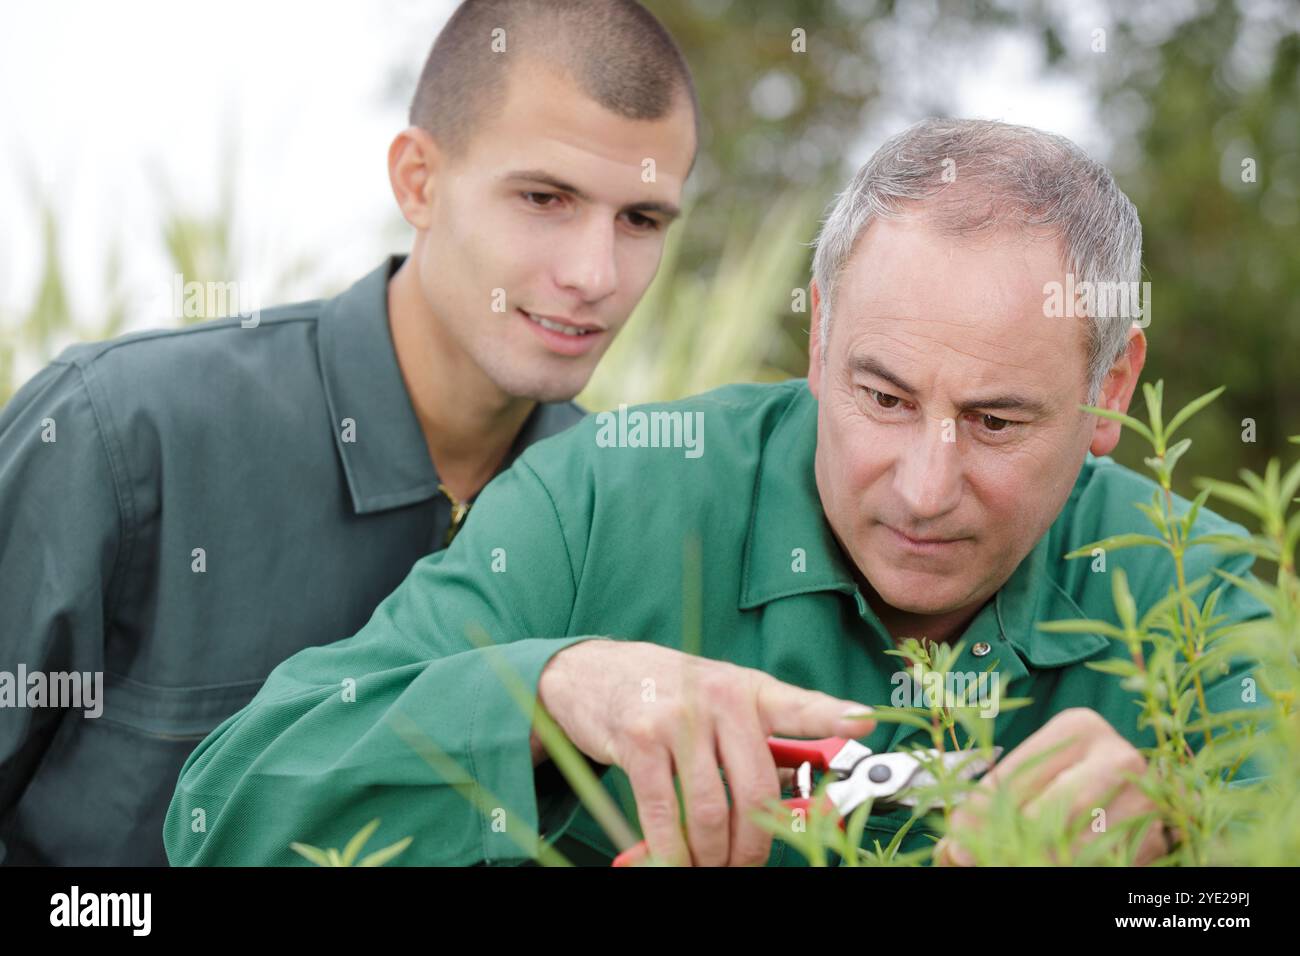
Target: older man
{"x":925,"y":480}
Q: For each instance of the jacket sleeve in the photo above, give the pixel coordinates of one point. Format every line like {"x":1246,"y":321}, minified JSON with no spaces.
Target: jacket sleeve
{"x":61,"y":538}
{"x":342,"y":734}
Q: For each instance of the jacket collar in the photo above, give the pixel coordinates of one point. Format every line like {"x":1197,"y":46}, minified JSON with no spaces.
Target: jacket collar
{"x":387,"y":464}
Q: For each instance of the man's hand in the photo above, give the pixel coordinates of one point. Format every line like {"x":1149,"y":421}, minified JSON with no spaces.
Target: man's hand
{"x":1093,"y":761}
{"x":656,"y":712}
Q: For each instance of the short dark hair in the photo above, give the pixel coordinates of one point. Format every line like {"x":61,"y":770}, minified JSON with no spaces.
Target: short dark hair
{"x":616,"y":51}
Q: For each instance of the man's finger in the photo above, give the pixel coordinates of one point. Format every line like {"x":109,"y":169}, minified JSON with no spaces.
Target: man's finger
{"x":708,"y":817}
{"x":948,"y":852}
{"x":1094,"y":782}
{"x":752,"y":780}
{"x":792,"y":711}
{"x":1103,"y":782}
{"x":1020,"y":775}
{"x":650,"y":772}
{"x":1031,"y":766}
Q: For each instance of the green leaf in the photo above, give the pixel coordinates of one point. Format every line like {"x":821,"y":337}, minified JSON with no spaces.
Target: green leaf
{"x":380,"y":857}
{"x":1191,"y":408}
{"x":1126,"y":420}
{"x":1136,"y":682}
{"x":1176,"y":451}
{"x":1210,"y":603}
{"x":1117,"y":543}
{"x":1119,"y":666}
{"x":1125,"y":606}
{"x":1211,"y":660}
{"x":1081,"y":626}
{"x":1189,"y":519}
{"x":354,"y":846}
{"x":1255,"y":544}
{"x":313,"y":854}
{"x":1256,"y":589}
{"x":857,"y":823}
{"x":1291,"y":536}
{"x":894,"y":844}
{"x":900,"y":715}
{"x":1169,"y":603}
{"x":1155,"y":512}
{"x":1224,"y":718}
{"x":1272,"y":479}
{"x":1290,"y":483}
{"x":1234,"y":494}
{"x":1154,"y":395}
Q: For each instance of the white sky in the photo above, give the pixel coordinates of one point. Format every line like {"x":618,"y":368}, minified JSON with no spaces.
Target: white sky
{"x":101,"y":104}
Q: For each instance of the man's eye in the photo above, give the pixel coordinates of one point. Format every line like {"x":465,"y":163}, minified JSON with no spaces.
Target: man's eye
{"x":882,"y":399}
{"x":533,"y":199}
{"x":995,"y":424}
{"x":643,"y":223}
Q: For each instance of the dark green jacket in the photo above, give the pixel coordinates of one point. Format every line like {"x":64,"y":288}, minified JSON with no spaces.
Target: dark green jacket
{"x":202,"y":513}
{"x":578,"y":540}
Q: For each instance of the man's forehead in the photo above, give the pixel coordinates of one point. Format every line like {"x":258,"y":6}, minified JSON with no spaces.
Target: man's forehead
{"x":930,"y":300}
{"x":989,"y":328}
{"x":911,"y":274}
{"x":546,"y":118}
{"x":963,"y":359}
{"x":553,"y":160}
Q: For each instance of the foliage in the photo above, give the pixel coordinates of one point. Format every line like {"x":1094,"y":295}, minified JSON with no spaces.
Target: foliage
{"x":348,"y":857}
{"x":1173,"y":646}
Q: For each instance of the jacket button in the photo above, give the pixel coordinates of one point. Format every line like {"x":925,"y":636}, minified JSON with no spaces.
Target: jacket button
{"x":980,"y":649}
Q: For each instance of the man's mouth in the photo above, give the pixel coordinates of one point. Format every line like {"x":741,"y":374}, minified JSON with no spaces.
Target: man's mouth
{"x":563,"y":326}
{"x":562,"y":336}
{"x":921,"y":544}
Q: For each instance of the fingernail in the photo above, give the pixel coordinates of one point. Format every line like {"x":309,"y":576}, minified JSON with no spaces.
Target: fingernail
{"x":857,"y":712}
{"x":959,"y":855}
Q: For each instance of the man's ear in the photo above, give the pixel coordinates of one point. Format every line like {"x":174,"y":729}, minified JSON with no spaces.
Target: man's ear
{"x":414,"y":160}
{"x":815,"y":342}
{"x":1117,"y":390}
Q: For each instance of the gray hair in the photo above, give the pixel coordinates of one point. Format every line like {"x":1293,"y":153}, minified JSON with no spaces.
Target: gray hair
{"x":1004,"y":175}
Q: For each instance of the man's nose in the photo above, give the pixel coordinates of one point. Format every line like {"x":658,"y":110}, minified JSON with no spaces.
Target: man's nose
{"x":928,"y":475}
{"x":586,"y":261}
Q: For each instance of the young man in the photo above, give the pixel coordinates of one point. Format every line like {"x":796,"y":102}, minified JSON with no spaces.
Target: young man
{"x":926,"y":480}
{"x":182,"y":510}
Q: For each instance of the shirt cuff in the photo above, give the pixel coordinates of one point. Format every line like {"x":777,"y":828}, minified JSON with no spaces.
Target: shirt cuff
{"x":500,"y":755}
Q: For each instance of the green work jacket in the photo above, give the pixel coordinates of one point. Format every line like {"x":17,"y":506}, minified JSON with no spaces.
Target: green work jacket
{"x":412,"y":720}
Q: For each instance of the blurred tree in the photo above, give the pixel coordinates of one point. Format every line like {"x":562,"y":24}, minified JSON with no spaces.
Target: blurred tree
{"x":1212,"y":113}
{"x":1187,"y":93}
{"x":199,"y":247}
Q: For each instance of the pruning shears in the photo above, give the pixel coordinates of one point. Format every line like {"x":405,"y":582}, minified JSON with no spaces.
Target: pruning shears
{"x":858,"y":775}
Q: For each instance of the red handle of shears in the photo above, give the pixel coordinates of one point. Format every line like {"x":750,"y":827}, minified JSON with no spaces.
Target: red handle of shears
{"x":787,"y":752}
{"x":790,"y":752}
